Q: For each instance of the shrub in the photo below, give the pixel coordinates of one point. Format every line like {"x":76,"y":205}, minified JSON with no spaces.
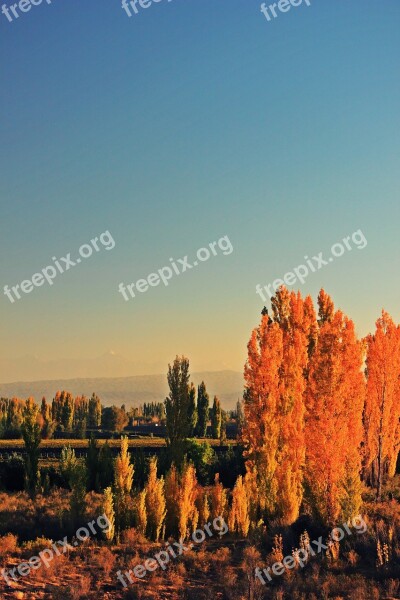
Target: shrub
{"x":8,"y":544}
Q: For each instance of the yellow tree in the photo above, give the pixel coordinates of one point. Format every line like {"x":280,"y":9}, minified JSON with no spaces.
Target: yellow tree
{"x":218,"y":499}
{"x":382,"y":405}
{"x":172,"y":499}
{"x":155,"y":502}
{"x":203,"y":506}
{"x":123,"y":480}
{"x":261,"y":430}
{"x":335,"y":397}
{"x":140,"y":511}
{"x":187,"y":512}
{"x":239,"y":517}
{"x":297,"y":321}
{"x":108,"y":511}
{"x":274,"y":404}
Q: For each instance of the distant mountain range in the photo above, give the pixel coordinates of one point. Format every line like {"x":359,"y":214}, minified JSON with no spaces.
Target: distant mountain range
{"x":227,"y":385}
{"x":110,"y":364}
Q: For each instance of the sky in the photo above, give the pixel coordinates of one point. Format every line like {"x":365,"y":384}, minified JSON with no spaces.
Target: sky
{"x":191,"y":121}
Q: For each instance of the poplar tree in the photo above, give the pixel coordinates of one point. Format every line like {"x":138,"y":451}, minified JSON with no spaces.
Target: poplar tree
{"x":218,"y":499}
{"x":382,"y":405}
{"x":108,"y":511}
{"x":32,"y":437}
{"x":239,"y":518}
{"x":203,"y":402}
{"x":188,"y":514}
{"x":192,"y":411}
{"x":216,"y":419}
{"x":295,"y":321}
{"x":177,"y":403}
{"x":335,"y":397}
{"x":155,"y":502}
{"x":123,"y":480}
{"x":261,"y":431}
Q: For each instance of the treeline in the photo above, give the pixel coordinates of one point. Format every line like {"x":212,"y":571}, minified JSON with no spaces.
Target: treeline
{"x":64,"y":414}
{"x":322,"y":410}
{"x":75,"y":416}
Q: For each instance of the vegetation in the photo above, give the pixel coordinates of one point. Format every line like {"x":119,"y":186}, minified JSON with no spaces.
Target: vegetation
{"x":318,"y":445}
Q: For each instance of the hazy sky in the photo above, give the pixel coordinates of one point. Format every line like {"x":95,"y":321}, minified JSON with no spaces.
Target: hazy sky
{"x":193,"y":120}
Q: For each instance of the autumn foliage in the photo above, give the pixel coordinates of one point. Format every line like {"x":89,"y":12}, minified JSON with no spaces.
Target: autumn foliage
{"x":317,"y":423}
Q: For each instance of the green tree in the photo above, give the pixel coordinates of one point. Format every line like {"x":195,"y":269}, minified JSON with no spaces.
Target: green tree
{"x":216,"y":419}
{"x":192,"y":410}
{"x":177,"y":403}
{"x":32,"y":436}
{"x":114,"y":419}
{"x":78,"y":479}
{"x":94,"y":415}
{"x":203,"y":402}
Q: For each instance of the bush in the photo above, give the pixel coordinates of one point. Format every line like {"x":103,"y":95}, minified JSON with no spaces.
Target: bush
{"x":8,"y":544}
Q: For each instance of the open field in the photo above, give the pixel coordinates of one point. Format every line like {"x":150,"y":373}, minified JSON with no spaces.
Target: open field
{"x":145,"y":442}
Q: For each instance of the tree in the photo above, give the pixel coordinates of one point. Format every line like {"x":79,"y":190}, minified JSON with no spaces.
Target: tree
{"x":78,"y":480}
{"x":295,"y":322}
{"x":114,"y":419}
{"x":382,"y":404}
{"x":218,"y":499}
{"x":261,"y":431}
{"x":239,"y":519}
{"x":123,"y":469}
{"x":48,"y":424}
{"x":172,"y":499}
{"x":177,"y":403}
{"x":94,"y":412}
{"x":32,"y":437}
{"x":75,"y":474}
{"x":68,"y":463}
{"x":216,"y":419}
{"x":123,"y":480}
{"x":108,"y":511}
{"x":335,"y":396}
{"x":192,"y":410}
{"x":239,"y":418}
{"x":63,"y":408}
{"x":80,"y":417}
{"x":203,"y":401}
{"x":187,"y":512}
{"x":155,"y":502}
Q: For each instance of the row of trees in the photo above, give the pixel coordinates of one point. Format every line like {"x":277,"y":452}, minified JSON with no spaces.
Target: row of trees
{"x":65,"y":413}
{"x":186,"y":417}
{"x":75,"y":416}
{"x":172,"y":506}
{"x":316,"y":424}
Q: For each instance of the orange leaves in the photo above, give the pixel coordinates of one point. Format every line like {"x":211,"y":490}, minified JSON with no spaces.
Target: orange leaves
{"x":382,"y":407}
{"x":335,"y":396}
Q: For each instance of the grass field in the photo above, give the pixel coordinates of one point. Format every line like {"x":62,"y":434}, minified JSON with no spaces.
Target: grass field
{"x":145,"y":442}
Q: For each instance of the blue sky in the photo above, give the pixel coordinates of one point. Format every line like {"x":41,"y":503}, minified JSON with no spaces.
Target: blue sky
{"x":187,"y":122}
